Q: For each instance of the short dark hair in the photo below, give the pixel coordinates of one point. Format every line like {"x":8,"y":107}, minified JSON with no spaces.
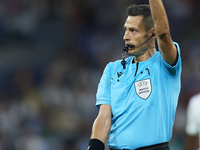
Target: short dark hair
{"x":142,"y":10}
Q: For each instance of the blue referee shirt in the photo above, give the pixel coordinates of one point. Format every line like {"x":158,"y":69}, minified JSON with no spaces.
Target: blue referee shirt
{"x":143,"y":98}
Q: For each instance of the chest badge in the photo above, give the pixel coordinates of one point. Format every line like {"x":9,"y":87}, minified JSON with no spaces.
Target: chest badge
{"x":143,"y":88}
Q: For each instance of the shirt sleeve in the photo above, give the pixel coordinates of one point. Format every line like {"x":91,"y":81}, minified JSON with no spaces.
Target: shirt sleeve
{"x":103,"y":91}
{"x":176,"y":68}
{"x":192,"y":119}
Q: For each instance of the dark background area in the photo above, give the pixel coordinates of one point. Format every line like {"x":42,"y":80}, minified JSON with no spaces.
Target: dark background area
{"x":52,"y":55}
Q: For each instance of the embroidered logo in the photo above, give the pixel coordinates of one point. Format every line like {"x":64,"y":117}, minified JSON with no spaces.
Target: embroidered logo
{"x":143,"y":88}
{"x":119,"y":74}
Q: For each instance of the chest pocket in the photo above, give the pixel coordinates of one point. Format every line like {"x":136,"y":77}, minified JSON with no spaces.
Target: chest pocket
{"x":142,"y":88}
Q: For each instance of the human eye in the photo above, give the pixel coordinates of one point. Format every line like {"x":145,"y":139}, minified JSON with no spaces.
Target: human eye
{"x":132,"y":30}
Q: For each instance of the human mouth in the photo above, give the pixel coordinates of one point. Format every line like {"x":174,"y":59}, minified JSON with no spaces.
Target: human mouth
{"x":129,"y":46}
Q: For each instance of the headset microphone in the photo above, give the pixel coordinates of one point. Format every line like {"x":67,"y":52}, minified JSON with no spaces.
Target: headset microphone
{"x":125,"y":50}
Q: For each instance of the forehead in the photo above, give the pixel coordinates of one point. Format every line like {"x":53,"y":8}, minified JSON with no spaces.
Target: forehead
{"x":134,"y":22}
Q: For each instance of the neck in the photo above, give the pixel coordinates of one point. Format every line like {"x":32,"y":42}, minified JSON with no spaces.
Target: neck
{"x":149,"y":53}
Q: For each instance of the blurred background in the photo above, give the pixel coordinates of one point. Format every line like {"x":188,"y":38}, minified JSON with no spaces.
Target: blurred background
{"x":52,"y":56}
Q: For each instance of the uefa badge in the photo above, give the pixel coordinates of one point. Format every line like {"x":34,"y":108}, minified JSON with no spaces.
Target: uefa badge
{"x":143,"y":88}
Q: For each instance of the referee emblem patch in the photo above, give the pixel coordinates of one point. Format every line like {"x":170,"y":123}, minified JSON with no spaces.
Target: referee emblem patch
{"x":143,"y":88}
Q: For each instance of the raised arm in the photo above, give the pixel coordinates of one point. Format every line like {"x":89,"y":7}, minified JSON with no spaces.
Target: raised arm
{"x":101,"y":128}
{"x":165,"y":43}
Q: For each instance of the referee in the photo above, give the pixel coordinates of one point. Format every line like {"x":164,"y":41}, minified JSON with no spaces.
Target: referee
{"x":137,"y":97}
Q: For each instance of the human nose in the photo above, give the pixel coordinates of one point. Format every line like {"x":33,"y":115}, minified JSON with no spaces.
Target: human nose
{"x":126,"y":36}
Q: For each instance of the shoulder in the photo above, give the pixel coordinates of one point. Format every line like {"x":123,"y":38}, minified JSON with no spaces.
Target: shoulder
{"x":117,"y":64}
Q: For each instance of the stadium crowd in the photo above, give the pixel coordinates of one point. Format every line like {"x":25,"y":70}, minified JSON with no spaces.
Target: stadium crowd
{"x":52,"y":55}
